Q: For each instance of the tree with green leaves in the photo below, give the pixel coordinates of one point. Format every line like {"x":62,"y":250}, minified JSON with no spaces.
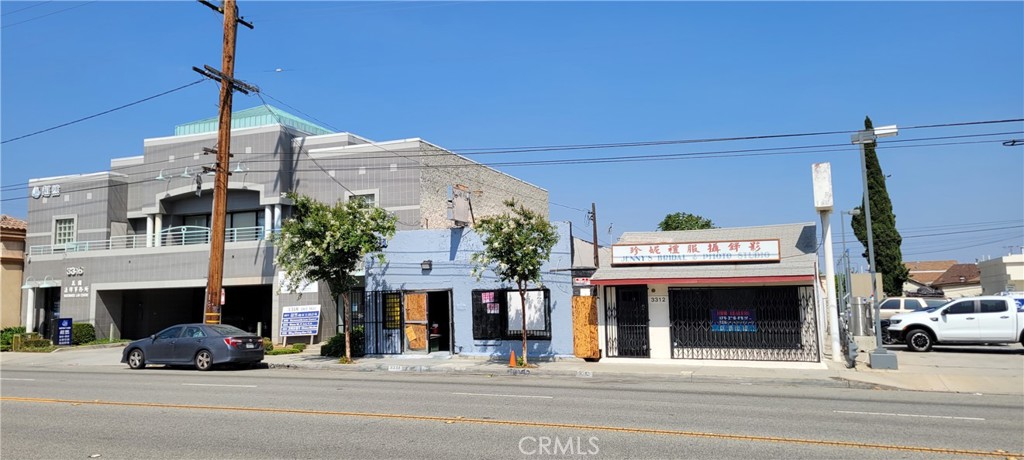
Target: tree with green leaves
{"x":684,"y":221}
{"x":886,"y":239}
{"x":326,"y":243}
{"x":516,"y":245}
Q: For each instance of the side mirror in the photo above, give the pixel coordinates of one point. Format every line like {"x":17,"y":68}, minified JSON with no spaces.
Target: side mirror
{"x":944,"y":312}
{"x":152,"y":337}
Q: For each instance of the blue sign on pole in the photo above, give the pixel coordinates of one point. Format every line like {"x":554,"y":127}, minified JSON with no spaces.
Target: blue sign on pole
{"x":64,"y":331}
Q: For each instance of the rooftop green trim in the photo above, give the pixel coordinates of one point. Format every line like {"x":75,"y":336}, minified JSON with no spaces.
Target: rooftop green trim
{"x":261,"y":115}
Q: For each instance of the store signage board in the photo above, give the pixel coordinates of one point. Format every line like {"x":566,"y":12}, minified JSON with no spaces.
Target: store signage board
{"x":696,"y":252}
{"x":300,"y":320}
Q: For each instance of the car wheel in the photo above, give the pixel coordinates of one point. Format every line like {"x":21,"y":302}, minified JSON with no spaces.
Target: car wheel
{"x":204,"y":360}
{"x":136,"y":359}
{"x":919,"y":340}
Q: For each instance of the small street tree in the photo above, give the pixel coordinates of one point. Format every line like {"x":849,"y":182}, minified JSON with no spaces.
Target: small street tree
{"x":326,"y":243}
{"x":516,"y":245}
{"x":886,"y":239}
{"x":684,"y":221}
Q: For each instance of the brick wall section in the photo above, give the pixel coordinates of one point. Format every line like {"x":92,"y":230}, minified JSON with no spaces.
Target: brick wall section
{"x":490,"y":187}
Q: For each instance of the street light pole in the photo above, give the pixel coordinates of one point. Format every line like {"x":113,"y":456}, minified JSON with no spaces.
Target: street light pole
{"x":880,"y":358}
{"x":846,"y":254}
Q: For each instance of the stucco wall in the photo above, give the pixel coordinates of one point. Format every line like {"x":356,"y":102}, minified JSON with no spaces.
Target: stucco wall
{"x":450,"y":251}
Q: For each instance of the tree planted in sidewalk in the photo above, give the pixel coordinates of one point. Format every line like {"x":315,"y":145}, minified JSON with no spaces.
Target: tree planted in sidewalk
{"x":885,"y":236}
{"x":326,"y":243}
{"x":684,"y":221}
{"x":516,"y":245}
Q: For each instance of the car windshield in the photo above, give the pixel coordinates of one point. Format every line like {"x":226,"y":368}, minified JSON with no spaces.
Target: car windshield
{"x":224,"y":329}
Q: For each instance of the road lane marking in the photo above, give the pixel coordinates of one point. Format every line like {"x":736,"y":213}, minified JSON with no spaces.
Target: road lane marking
{"x":525,"y":423}
{"x":887,"y":414}
{"x":22,"y":380}
{"x":217,"y":385}
{"x":504,"y":396}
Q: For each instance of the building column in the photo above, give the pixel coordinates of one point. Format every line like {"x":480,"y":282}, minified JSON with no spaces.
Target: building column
{"x":277,"y":217}
{"x":30,"y":314}
{"x":149,"y":231}
{"x":268,"y":221}
{"x":158,"y":227}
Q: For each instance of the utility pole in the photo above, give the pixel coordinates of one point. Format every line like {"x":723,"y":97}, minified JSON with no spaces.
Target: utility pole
{"x":215,"y":278}
{"x":593,"y":218}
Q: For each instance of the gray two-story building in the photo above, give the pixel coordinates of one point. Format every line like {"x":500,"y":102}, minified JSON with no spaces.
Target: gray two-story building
{"x":128,"y":249}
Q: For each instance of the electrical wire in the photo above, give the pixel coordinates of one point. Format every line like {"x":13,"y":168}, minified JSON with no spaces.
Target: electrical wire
{"x":45,"y":15}
{"x":683,"y":156}
{"x":103,"y":112}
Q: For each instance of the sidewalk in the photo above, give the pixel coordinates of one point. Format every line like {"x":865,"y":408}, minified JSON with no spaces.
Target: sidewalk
{"x":990,"y":370}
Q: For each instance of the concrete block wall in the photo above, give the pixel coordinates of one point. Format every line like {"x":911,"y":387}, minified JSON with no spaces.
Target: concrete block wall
{"x":489,"y":187}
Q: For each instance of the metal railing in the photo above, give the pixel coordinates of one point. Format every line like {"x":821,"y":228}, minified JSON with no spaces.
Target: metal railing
{"x":169,"y":237}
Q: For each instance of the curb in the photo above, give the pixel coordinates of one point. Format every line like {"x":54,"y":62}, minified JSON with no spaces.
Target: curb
{"x":831,"y":382}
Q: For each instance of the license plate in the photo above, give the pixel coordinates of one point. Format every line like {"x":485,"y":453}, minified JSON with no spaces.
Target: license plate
{"x":249,"y":345}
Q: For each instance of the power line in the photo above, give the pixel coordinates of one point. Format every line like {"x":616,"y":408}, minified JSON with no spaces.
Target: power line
{"x":45,"y":15}
{"x":25,"y":8}
{"x":599,"y":160}
{"x":544,"y":148}
{"x":103,"y":112}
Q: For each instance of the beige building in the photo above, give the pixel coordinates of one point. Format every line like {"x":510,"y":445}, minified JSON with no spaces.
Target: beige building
{"x":12,"y":256}
{"x":1002,"y":274}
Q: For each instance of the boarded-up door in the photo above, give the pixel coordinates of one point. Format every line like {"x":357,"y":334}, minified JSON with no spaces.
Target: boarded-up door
{"x":416,"y":321}
{"x":584,"y":327}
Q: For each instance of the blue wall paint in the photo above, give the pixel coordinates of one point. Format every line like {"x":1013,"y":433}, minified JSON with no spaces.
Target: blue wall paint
{"x":450,"y":251}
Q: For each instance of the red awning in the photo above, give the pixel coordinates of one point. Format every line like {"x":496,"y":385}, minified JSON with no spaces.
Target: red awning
{"x":708,"y":281}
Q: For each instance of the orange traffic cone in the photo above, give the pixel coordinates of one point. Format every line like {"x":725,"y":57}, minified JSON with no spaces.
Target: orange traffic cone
{"x":512,"y":359}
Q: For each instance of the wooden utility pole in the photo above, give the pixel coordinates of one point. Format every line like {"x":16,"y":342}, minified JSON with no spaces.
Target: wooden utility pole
{"x":593,"y":218}
{"x":215,"y":278}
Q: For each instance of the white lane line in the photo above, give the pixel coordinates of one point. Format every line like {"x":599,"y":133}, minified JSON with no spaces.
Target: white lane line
{"x":216,"y":385}
{"x":949,"y":417}
{"x":23,"y":380}
{"x":504,"y":396}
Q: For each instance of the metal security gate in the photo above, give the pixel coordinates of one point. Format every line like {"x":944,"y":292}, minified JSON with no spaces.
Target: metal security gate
{"x":382,"y":323}
{"x":766,"y":323}
{"x":627,"y":322}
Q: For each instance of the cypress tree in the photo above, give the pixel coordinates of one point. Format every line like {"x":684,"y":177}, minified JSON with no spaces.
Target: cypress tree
{"x":887,"y":240}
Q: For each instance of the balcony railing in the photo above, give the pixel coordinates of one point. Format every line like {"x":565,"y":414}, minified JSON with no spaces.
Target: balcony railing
{"x":169,"y":237}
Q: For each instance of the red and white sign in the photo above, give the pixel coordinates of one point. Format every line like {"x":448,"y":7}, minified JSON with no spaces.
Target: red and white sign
{"x":581,"y":281}
{"x":696,"y":252}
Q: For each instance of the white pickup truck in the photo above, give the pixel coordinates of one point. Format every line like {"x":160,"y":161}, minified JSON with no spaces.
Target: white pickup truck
{"x":984,"y":319}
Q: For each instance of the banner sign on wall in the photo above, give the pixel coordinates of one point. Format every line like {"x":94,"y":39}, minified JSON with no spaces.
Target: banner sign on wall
{"x":300,"y":320}
{"x":733,"y":321}
{"x":696,"y":252}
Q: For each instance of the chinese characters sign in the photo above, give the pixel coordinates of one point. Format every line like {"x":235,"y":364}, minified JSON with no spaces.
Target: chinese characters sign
{"x":64,"y":331}
{"x":693,"y":252}
{"x":45,"y":191}
{"x":300,"y":320}
{"x":733,"y":321}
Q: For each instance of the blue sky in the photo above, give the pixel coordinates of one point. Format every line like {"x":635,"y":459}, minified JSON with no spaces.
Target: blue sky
{"x":469,"y":76}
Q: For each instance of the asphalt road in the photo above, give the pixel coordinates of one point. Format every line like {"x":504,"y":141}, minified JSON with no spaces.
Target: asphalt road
{"x":66,"y":411}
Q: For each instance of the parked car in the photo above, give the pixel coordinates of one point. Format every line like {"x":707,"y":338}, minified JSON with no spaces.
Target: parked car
{"x":983,"y":319}
{"x":201,"y":345}
{"x":896,"y":305}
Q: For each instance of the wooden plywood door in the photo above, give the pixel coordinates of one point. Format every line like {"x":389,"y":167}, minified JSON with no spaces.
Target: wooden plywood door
{"x":416,"y":321}
{"x":584,"y":327}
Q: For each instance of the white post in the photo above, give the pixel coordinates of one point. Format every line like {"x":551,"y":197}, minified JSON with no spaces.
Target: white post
{"x":830,"y":288}
{"x":159,"y":226}
{"x":277,"y":217}
{"x":268,"y":221}
{"x":149,"y":231}
{"x":30,"y":315}
{"x":110,"y":336}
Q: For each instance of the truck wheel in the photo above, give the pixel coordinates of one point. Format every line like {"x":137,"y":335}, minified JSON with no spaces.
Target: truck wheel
{"x":919,"y":340}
